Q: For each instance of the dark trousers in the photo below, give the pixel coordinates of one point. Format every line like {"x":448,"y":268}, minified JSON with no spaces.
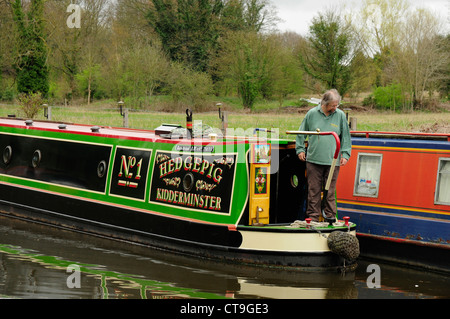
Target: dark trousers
{"x":317,"y":177}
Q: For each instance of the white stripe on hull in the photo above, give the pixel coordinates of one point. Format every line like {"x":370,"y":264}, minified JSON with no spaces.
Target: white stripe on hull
{"x":287,"y":242}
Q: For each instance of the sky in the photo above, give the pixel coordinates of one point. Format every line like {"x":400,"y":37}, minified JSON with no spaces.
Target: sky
{"x":297,"y":14}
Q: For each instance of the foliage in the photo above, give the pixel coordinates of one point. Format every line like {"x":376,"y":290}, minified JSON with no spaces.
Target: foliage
{"x":407,"y":49}
{"x":419,"y":64}
{"x":187,"y":85}
{"x":7,"y":95}
{"x":90,"y":81}
{"x":31,"y":103}
{"x":175,"y":51}
{"x":189,"y":30}
{"x":31,"y":66}
{"x":389,"y":97}
{"x":257,"y":65}
{"x":329,"y":55}
{"x":365,"y":73}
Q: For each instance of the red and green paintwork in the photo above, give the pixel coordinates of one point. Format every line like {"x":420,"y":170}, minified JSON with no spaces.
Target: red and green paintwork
{"x":142,"y":140}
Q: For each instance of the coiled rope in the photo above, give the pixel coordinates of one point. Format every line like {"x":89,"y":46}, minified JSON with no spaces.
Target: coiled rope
{"x":341,"y":243}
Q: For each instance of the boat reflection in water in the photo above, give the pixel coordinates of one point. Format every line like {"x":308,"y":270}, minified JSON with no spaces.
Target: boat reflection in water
{"x":34,"y":261}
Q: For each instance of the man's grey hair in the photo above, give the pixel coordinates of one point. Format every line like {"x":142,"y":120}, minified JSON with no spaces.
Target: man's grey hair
{"x":330,"y":96}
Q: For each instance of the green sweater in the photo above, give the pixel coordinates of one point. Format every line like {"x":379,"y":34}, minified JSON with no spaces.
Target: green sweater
{"x":321,"y":148}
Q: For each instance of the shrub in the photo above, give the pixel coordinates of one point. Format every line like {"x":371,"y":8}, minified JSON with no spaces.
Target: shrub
{"x":7,"y":95}
{"x":388,"y":97}
{"x":188,"y":86}
{"x":368,"y":101}
{"x":31,"y":103}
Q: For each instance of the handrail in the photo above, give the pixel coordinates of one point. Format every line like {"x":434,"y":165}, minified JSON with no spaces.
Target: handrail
{"x":333,"y":164}
{"x":336,"y":137}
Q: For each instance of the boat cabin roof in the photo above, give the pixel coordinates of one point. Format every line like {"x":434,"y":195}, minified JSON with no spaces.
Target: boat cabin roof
{"x":118,"y":132}
{"x":79,"y":128}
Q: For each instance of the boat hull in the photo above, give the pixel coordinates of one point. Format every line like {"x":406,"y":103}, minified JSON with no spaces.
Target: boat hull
{"x":189,"y":196}
{"x":393,"y":199}
{"x":205,"y":240}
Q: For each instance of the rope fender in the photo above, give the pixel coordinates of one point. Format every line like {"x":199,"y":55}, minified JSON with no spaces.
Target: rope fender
{"x":344,"y":245}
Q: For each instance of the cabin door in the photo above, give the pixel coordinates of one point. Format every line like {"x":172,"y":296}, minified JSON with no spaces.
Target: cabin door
{"x":288,"y":188}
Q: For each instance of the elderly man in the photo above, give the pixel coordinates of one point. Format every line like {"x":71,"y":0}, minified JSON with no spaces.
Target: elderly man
{"x":328,"y":118}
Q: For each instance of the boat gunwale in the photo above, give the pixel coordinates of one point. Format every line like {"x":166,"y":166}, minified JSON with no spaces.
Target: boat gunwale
{"x":405,"y":135}
{"x":287,"y":229}
{"x":119,"y":133}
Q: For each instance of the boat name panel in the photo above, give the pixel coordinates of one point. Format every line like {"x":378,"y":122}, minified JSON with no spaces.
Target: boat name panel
{"x":194,"y":180}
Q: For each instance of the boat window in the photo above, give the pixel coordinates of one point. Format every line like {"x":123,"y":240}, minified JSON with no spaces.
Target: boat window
{"x":443,"y":182}
{"x":367,"y":177}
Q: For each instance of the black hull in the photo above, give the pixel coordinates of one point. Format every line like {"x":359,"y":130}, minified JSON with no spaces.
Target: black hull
{"x":423,"y":256}
{"x":185,"y":237}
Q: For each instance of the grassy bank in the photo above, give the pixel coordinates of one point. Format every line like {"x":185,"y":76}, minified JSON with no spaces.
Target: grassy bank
{"x":281,"y":118}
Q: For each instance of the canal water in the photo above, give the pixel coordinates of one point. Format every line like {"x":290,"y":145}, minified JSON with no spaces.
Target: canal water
{"x":42,"y":262}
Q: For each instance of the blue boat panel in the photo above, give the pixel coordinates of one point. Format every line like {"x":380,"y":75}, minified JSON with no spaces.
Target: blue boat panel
{"x":423,"y":230}
{"x":401,"y":143}
{"x":405,"y":212}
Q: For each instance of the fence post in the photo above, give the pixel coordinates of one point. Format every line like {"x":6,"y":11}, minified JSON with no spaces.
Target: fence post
{"x":353,"y":123}
{"x":125,"y":118}
{"x":47,"y":112}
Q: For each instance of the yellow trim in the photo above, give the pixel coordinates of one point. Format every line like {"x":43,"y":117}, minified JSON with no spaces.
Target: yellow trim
{"x":396,"y":207}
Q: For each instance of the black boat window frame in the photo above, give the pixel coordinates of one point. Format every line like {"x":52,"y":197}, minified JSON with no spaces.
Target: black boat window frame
{"x":438,"y":182}
{"x":357,"y":175}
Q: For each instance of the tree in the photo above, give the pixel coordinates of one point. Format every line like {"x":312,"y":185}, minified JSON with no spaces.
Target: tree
{"x":66,"y":50}
{"x":143,"y":70}
{"x":190,"y":29}
{"x":6,"y":51}
{"x":288,"y":76}
{"x":379,"y":23}
{"x":257,"y":65}
{"x":418,"y":64}
{"x":378,"y":27}
{"x":31,"y":60}
{"x":329,"y":55}
{"x":364,"y":72}
{"x":186,"y":85}
{"x":258,"y":15}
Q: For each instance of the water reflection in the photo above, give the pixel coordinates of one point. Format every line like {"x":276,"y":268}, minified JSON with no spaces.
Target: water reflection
{"x":34,"y":260}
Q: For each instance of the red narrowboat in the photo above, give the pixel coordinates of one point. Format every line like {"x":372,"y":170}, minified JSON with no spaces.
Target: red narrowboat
{"x":396,"y":188}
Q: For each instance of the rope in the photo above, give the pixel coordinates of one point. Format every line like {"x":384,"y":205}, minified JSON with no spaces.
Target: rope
{"x":304,"y":224}
{"x":341,"y":243}
{"x":344,"y":245}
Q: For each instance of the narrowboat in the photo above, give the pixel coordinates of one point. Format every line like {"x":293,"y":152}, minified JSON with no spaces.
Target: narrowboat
{"x":396,"y":188}
{"x":230,"y":198}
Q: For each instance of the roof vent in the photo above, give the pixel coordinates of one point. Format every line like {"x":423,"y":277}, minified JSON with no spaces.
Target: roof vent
{"x":166,"y":129}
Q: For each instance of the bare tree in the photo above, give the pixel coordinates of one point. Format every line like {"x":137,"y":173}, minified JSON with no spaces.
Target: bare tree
{"x":419,"y":62}
{"x":379,"y":23}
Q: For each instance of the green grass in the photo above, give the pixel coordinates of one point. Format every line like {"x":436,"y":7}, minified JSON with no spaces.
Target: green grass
{"x":265,"y":116}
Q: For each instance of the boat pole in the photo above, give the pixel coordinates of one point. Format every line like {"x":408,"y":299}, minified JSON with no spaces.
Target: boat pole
{"x":333,"y":164}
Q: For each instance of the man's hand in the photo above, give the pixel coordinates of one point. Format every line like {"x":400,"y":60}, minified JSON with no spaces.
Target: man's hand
{"x":302,"y":156}
{"x":343,"y":161}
